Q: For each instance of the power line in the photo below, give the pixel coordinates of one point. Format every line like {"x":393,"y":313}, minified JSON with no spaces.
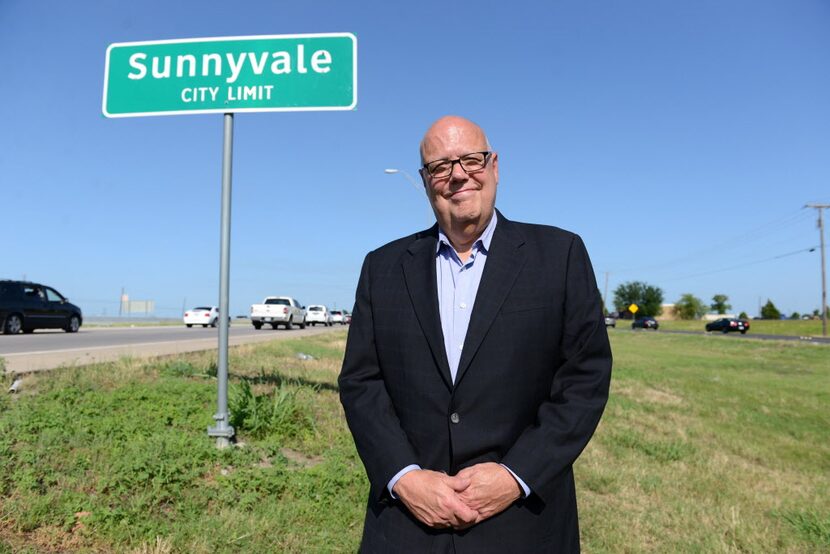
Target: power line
{"x":739,"y":266}
{"x":752,"y":235}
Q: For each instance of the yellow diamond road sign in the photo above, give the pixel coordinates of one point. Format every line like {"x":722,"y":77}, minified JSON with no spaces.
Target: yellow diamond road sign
{"x":633,"y":308}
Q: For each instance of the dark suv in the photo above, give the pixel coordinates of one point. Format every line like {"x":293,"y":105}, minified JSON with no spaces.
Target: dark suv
{"x":727,"y":324}
{"x":26,"y":306}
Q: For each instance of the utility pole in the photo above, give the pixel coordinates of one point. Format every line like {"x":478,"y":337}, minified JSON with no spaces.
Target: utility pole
{"x":821,"y":207}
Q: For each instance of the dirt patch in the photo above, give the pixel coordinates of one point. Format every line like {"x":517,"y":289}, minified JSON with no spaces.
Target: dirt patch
{"x":299,"y":458}
{"x":48,"y":540}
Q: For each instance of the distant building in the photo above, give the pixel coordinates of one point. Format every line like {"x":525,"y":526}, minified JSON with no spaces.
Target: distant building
{"x":713,"y":317}
{"x":668,"y":312}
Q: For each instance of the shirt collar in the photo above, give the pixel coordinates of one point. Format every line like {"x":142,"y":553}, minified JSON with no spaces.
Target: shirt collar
{"x":483,"y":242}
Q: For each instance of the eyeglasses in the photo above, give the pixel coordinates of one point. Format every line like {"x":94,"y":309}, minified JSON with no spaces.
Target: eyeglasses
{"x":470,"y":163}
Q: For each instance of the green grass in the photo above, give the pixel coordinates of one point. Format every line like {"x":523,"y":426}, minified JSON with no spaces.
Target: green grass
{"x":710,"y":446}
{"x":110,"y":457}
{"x":707,"y":445}
{"x":798,"y":328}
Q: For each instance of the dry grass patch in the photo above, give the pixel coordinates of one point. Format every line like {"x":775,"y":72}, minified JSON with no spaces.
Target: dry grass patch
{"x":159,"y":546}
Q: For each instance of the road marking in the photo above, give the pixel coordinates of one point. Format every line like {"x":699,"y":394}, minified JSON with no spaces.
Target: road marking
{"x":88,"y":348}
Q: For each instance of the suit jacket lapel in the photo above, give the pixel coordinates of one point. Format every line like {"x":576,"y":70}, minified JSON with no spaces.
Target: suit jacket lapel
{"x":504,"y":262}
{"x":420,"y":277}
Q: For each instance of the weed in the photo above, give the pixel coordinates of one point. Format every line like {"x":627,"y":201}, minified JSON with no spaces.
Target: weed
{"x":810,"y":525}
{"x":212,"y":369}
{"x":279,"y":413}
{"x":178,"y":368}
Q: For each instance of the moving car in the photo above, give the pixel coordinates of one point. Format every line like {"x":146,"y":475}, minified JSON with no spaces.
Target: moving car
{"x":278,"y":310}
{"x":728,"y":324}
{"x":26,"y":306}
{"x":203,"y":315}
{"x":337,"y":316}
{"x":645,"y":322}
{"x":317,"y":313}
{"x":610,"y":321}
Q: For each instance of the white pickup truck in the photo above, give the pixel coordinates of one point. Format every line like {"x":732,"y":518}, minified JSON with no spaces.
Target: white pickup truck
{"x":278,"y":310}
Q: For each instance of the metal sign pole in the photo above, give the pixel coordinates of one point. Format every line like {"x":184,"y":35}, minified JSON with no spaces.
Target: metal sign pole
{"x":328,"y":82}
{"x":223,"y":430}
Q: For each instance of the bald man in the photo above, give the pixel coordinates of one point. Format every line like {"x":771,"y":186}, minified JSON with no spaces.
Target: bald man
{"x":476,"y":370}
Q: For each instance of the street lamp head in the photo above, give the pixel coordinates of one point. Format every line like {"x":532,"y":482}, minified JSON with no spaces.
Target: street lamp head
{"x":390,"y":171}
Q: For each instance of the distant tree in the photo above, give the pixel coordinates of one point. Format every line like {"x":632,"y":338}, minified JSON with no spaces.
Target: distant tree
{"x":719,"y":304}
{"x":816,"y":313}
{"x":795,"y":315}
{"x":647,"y":297}
{"x":769,"y":311}
{"x":743,"y":315}
{"x":689,"y":307}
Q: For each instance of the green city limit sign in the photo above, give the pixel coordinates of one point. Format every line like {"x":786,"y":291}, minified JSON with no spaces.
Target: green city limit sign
{"x":231,"y":74}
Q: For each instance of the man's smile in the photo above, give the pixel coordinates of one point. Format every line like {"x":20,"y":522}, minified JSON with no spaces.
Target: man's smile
{"x":462,"y":193}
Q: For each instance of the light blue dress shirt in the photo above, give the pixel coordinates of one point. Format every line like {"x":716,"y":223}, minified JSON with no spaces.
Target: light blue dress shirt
{"x":457,"y":288}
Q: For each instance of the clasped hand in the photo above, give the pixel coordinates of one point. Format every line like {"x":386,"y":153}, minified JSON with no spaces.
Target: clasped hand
{"x":460,"y":501}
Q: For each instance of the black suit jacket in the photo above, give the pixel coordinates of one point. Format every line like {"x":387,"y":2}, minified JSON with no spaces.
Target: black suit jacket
{"x":530,"y":389}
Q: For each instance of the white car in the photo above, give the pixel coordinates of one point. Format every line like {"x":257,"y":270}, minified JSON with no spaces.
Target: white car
{"x":317,"y":313}
{"x":203,"y":315}
{"x":337,"y":316}
{"x":278,"y":310}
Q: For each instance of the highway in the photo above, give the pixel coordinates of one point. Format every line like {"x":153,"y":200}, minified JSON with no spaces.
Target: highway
{"x":48,"y":349}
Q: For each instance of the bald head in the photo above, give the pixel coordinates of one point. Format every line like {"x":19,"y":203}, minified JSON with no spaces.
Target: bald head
{"x":464,"y":199}
{"x":451,"y":129}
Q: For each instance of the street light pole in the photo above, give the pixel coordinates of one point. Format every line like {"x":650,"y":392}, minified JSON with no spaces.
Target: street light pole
{"x":405,"y":174}
{"x":412,"y":181}
{"x":605,"y":296}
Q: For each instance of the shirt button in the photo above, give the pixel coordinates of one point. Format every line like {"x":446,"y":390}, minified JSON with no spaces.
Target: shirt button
{"x":454,"y":417}
{"x":462,"y":305}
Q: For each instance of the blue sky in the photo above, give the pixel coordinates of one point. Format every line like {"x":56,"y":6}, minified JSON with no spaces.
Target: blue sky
{"x":679,"y":139}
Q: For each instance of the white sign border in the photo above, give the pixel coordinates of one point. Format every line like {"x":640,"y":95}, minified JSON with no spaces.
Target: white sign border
{"x":238,"y":110}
